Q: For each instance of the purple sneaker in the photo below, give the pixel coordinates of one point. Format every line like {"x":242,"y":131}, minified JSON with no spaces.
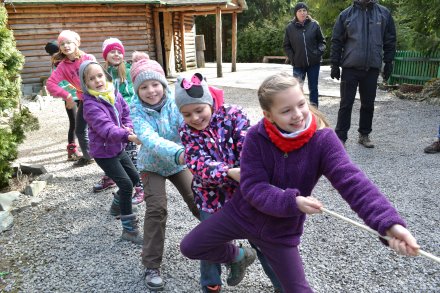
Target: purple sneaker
{"x":103,"y":184}
{"x":138,"y":196}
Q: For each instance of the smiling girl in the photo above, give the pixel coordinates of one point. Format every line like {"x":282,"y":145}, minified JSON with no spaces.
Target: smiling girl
{"x":156,"y":120}
{"x":69,"y":59}
{"x":283,"y":157}
{"x":110,"y":129}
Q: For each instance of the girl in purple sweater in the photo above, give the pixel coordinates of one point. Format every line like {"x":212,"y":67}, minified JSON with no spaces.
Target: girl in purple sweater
{"x":271,"y":205}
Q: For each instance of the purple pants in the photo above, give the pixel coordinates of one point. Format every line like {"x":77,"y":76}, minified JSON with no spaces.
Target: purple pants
{"x":210,"y":241}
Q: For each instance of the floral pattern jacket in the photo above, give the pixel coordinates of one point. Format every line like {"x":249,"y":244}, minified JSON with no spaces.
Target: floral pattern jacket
{"x":211,"y":152}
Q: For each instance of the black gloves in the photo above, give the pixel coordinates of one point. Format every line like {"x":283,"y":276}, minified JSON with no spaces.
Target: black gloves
{"x":387,"y":70}
{"x":336,"y":72}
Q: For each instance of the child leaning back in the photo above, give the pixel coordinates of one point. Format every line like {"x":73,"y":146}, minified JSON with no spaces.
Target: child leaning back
{"x":110,"y":129}
{"x":283,"y":157}
{"x":156,"y":120}
{"x":213,"y":136}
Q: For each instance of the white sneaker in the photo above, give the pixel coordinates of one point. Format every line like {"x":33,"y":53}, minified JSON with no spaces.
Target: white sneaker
{"x":153,"y":280}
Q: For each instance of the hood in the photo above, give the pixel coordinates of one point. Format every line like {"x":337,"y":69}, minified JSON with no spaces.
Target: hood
{"x":82,"y":69}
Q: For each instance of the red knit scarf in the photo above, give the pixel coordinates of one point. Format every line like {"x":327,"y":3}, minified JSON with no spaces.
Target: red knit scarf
{"x":288,"y":144}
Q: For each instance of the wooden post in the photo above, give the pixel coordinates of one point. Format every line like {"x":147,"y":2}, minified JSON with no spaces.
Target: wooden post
{"x":182,"y":41}
{"x":157,"y":38}
{"x":234,"y":42}
{"x":170,"y":69}
{"x":218,"y":40}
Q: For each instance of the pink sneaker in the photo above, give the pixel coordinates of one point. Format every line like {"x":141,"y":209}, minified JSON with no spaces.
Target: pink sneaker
{"x":104,"y":184}
{"x":138,"y":196}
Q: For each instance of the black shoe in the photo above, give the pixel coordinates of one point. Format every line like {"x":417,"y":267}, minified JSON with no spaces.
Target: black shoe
{"x":83,"y":162}
{"x":433,"y":148}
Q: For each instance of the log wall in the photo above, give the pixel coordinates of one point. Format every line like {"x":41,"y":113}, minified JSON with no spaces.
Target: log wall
{"x":34,"y":26}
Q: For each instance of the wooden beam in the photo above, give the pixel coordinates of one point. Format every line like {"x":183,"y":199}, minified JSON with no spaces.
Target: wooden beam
{"x":234,"y":43}
{"x":190,"y":8}
{"x":212,"y":12}
{"x":170,"y":60}
{"x":157,"y":38}
{"x":218,"y":41}
{"x":182,"y":41}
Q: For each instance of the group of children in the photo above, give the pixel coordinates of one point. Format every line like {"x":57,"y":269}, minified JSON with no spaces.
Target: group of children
{"x":201,"y":145}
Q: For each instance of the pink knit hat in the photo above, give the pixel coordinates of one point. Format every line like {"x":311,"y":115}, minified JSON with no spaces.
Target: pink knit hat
{"x":143,"y":68}
{"x":69,"y":35}
{"x":112,"y":44}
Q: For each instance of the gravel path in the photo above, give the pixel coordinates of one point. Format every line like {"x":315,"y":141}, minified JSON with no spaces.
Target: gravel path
{"x":69,"y":242}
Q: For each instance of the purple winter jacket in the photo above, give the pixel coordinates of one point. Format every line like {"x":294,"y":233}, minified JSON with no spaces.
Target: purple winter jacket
{"x":107,"y":138}
{"x":265,"y":205}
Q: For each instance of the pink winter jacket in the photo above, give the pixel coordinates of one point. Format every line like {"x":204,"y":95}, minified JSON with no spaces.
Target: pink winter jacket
{"x":67,"y":70}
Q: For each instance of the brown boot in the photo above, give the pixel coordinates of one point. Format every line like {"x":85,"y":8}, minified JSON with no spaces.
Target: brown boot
{"x":365,"y":141}
{"x":433,"y":148}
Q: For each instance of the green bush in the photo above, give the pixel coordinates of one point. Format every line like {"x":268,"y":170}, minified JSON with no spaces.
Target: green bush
{"x":14,"y":121}
{"x":265,"y":39}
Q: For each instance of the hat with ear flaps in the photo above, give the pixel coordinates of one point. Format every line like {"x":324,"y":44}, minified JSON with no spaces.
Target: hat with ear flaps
{"x":194,"y":91}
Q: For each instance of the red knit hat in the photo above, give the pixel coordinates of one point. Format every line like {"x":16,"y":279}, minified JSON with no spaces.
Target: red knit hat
{"x":112,"y":44}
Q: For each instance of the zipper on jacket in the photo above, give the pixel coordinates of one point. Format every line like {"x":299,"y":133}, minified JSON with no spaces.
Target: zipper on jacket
{"x":367,"y":37}
{"x":286,"y":155}
{"x":305,"y":46}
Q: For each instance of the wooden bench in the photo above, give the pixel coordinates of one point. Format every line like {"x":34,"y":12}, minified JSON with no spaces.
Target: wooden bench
{"x":266,"y":59}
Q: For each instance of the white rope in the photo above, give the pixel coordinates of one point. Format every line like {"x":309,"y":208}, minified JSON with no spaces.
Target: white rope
{"x":368,"y":229}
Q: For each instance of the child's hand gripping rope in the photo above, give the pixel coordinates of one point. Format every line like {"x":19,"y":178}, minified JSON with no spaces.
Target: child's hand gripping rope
{"x":398,"y":238}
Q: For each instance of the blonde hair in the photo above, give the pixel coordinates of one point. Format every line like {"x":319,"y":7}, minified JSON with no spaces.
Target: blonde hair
{"x":278,"y":82}
{"x":60,"y":56}
{"x":122,"y":70}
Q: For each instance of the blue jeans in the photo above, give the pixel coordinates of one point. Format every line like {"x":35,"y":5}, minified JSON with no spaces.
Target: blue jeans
{"x":312,"y":76}
{"x":210,"y":272}
{"x":439,"y":132}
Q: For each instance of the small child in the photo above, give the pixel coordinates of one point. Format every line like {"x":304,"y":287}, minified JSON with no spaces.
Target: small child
{"x":213,"y":136}
{"x":72,"y":150}
{"x":110,"y":129}
{"x":283,"y":157}
{"x":113,"y":53}
{"x":156,"y":120}
{"x":69,"y":59}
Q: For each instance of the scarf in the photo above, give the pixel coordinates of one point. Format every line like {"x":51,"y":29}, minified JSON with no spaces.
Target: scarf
{"x":107,"y":95}
{"x":288,"y":144}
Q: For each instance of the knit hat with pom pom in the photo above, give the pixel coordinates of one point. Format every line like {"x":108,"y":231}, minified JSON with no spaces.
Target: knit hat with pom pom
{"x":143,"y":68}
{"x":112,"y":44}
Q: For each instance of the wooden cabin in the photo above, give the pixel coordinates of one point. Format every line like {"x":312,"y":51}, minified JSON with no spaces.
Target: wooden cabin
{"x":165,"y":29}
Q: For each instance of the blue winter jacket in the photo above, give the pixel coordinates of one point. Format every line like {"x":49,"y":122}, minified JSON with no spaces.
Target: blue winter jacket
{"x":158,"y":132}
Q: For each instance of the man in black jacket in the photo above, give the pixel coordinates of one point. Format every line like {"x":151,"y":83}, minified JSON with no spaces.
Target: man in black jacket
{"x":364,"y":35}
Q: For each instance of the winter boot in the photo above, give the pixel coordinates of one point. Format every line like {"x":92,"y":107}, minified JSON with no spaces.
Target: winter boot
{"x":237,"y":269}
{"x":130,"y":229}
{"x":115,"y":209}
{"x":365,"y":141}
{"x":72,"y":152}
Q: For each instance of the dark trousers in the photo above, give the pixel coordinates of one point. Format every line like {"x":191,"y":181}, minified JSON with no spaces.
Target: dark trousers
{"x":312,"y":77}
{"x":122,"y":171}
{"x":367,"y":82}
{"x":81,"y":131}
{"x":71,"y":113}
{"x":211,"y":240}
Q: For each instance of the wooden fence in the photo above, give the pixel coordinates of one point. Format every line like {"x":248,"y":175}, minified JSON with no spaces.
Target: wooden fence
{"x":414,"y":68}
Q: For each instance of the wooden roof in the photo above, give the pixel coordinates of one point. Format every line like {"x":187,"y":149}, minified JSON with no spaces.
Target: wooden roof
{"x":241,"y":3}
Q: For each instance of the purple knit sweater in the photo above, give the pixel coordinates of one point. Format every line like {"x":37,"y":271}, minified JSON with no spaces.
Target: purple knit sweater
{"x":270,"y":180}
